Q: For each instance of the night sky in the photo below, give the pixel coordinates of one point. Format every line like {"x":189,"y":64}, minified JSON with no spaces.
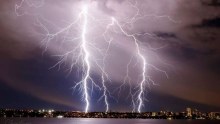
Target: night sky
{"x":188,"y":50}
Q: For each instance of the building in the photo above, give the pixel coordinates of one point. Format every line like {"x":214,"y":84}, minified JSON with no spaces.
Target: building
{"x":188,"y":112}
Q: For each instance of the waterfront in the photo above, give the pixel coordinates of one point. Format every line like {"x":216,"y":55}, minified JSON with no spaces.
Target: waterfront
{"x":188,"y":114}
{"x":100,"y":121}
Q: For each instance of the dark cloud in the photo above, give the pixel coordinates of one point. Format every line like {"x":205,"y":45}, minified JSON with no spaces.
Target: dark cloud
{"x":182,"y":53}
{"x":215,"y":3}
{"x":166,"y":35}
{"x":210,"y":23}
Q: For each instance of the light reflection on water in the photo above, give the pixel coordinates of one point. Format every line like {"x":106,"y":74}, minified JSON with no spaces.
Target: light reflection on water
{"x":99,"y":121}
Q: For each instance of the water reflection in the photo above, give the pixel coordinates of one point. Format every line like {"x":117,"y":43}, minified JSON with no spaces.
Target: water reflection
{"x":99,"y":121}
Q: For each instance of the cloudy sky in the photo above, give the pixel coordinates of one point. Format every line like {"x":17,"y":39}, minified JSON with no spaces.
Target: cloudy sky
{"x":183,"y":41}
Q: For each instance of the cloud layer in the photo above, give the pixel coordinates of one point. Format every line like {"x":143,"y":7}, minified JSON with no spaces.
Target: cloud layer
{"x":188,"y":43}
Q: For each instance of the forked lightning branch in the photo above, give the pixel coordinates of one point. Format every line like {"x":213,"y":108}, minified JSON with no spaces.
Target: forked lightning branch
{"x":82,"y":53}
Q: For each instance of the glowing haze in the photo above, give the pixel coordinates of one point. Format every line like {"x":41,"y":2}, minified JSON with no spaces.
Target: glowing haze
{"x":44,"y":57}
{"x":88,"y":41}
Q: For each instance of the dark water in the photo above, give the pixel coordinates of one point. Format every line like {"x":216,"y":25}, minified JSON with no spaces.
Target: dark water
{"x":99,"y":121}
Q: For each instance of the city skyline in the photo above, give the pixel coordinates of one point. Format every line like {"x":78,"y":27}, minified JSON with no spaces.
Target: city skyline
{"x":188,"y":114}
{"x":182,"y":66}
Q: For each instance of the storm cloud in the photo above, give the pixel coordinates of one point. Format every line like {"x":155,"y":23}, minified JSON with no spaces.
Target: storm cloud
{"x":184,"y":40}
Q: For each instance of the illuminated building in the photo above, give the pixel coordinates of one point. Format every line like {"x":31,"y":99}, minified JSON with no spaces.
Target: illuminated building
{"x":188,"y":112}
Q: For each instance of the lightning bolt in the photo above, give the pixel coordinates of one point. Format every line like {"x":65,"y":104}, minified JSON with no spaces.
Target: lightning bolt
{"x":82,"y":54}
{"x":144,"y":64}
{"x":86,"y":58}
